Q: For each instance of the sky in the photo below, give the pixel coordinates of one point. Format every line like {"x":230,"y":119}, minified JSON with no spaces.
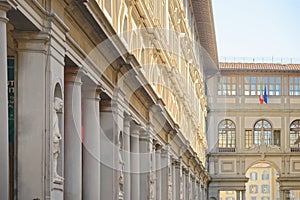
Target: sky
{"x":257,"y":28}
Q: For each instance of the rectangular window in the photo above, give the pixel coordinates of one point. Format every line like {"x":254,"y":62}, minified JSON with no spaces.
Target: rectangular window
{"x":253,"y":189}
{"x":294,"y":89}
{"x":255,"y":85}
{"x":229,"y":198}
{"x":276,"y":140}
{"x":227,"y":86}
{"x":265,"y":189}
{"x":265,"y":175}
{"x":248,"y":138}
{"x":253,"y":176}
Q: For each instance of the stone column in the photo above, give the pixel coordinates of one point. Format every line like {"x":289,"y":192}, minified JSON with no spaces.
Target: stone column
{"x":91,"y":143}
{"x":194,"y":191}
{"x":188,"y":181}
{"x":177,"y":165}
{"x":135,"y":162}
{"x":198,"y":189}
{"x":153,"y":180}
{"x":281,"y":193}
{"x":238,"y":195}
{"x":4,"y":183}
{"x":203,"y":191}
{"x":112,"y":118}
{"x":243,"y":195}
{"x":173,"y":189}
{"x":286,"y":195}
{"x":164,"y":173}
{"x":126,"y":136}
{"x":158,"y":173}
{"x":73,"y":145}
{"x":184,"y":187}
{"x":145,"y":162}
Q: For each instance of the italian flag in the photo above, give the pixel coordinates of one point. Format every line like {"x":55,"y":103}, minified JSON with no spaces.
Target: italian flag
{"x":261,"y":99}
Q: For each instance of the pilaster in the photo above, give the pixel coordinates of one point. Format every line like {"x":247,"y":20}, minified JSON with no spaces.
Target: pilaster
{"x":4,"y":168}
{"x":35,"y":109}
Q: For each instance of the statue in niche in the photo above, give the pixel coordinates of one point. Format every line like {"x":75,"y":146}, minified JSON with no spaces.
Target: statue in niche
{"x":58,"y":104}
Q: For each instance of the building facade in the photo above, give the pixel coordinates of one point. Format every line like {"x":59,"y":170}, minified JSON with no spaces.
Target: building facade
{"x":253,"y":119}
{"x":105,"y":99}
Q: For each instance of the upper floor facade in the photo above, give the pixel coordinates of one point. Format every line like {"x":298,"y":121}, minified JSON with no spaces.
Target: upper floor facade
{"x":243,"y":131}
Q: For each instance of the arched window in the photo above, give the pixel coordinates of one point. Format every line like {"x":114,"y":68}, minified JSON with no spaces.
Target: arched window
{"x":262,"y":132}
{"x":295,"y":134}
{"x":226,"y":131}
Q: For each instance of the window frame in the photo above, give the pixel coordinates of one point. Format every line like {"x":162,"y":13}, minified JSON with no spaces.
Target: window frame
{"x":226,"y":131}
{"x":263,"y":134}
{"x":294,"y":86}
{"x":227,"y":85}
{"x":255,"y":84}
{"x":295,"y":131}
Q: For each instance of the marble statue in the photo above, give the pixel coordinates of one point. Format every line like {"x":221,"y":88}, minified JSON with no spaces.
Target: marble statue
{"x":58,"y":104}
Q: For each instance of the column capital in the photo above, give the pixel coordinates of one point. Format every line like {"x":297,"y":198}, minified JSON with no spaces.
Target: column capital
{"x":92,"y":91}
{"x":74,"y":75}
{"x":4,"y":5}
{"x":145,"y":134}
{"x":31,"y":40}
{"x":135,"y":129}
{"x":177,"y":163}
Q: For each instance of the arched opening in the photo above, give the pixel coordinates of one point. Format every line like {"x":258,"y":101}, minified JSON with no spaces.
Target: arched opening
{"x":226,"y":136}
{"x":262,"y":132}
{"x":262,"y":182}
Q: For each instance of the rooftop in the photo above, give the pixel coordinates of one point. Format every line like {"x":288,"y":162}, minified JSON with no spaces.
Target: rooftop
{"x":259,"y":66}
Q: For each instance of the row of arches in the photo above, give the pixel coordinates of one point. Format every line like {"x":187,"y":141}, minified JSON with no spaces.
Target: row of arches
{"x":261,"y":133}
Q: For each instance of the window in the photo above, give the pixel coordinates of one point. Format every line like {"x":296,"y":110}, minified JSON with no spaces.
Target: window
{"x":262,"y":132}
{"x":265,"y":189}
{"x":229,"y":198}
{"x":227,"y":86}
{"x":226,"y":134}
{"x":253,"y":189}
{"x":248,"y":138}
{"x":276,"y":140}
{"x":265,"y":198}
{"x":295,"y":135}
{"x":255,"y":85}
{"x":253,"y":176}
{"x":294,"y":86}
{"x":265,"y":175}
{"x":253,"y":198}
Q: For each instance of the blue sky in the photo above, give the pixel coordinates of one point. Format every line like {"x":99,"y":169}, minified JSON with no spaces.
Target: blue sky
{"x":257,"y":28}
